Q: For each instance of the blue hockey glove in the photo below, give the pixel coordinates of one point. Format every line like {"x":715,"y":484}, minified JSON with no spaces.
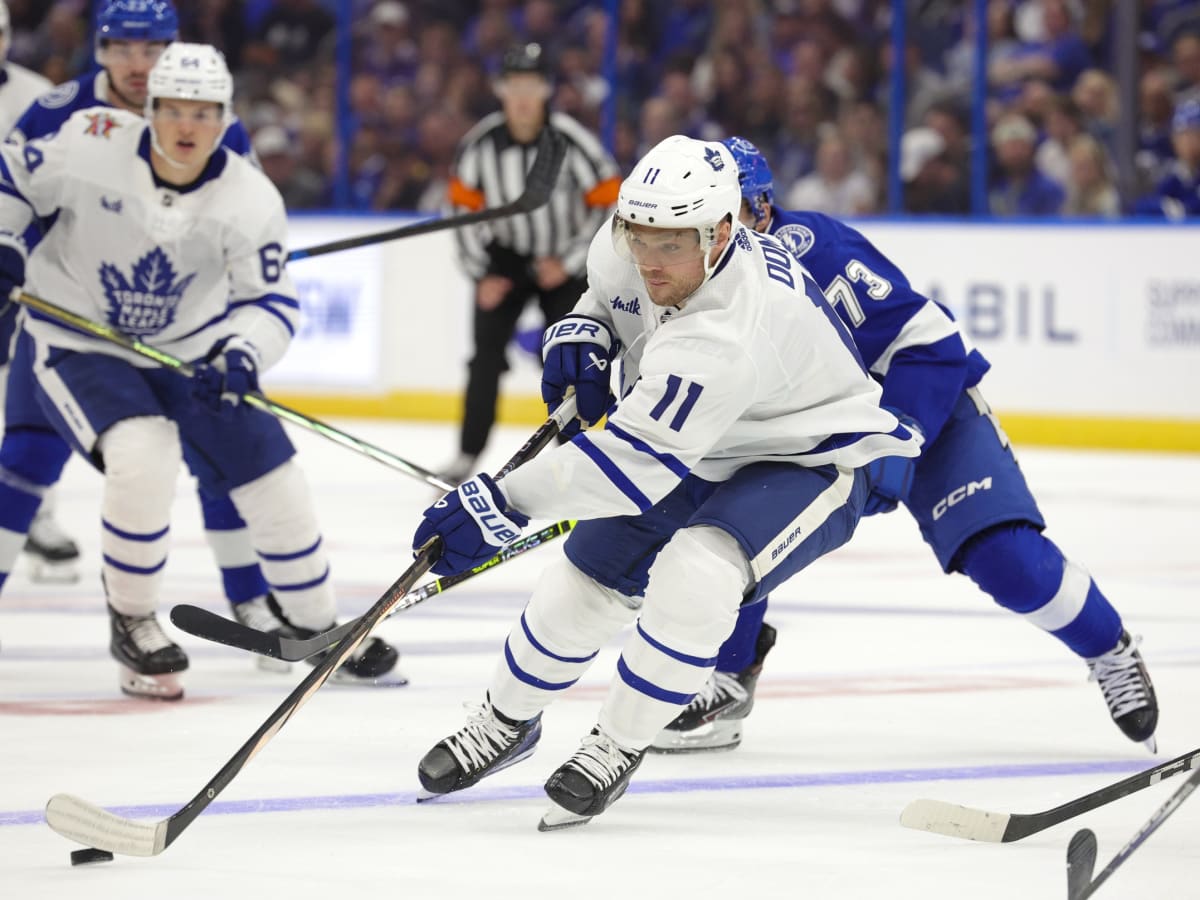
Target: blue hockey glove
{"x":12,"y":274}
{"x":474,"y":522}
{"x":576,"y":353}
{"x":890,"y":477}
{"x":230,"y":370}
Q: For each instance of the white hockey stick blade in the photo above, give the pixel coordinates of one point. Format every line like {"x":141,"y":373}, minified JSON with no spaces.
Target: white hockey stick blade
{"x":92,"y":826}
{"x":956,"y":821}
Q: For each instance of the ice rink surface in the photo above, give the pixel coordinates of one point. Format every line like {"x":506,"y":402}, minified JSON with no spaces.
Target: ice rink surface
{"x":890,"y":682}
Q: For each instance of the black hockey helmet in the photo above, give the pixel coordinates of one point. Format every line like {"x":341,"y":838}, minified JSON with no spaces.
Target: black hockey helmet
{"x":525,"y":58}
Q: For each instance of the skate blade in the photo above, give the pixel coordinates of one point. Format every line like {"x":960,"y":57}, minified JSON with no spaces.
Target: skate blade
{"x":1151,"y":744}
{"x":270,"y":664}
{"x":556,"y":819}
{"x":721,"y":736}
{"x":151,"y":687}
{"x":44,"y":571}
{"x":424,"y":796}
{"x":390,"y":679}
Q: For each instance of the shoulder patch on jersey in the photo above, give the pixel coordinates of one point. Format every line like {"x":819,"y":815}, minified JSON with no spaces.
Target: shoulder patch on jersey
{"x":60,"y":96}
{"x":100,"y":124}
{"x":799,"y":239}
{"x":743,"y":240}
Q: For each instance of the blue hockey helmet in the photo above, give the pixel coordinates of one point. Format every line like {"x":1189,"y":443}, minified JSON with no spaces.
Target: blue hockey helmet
{"x":754,"y":176}
{"x":137,"y":20}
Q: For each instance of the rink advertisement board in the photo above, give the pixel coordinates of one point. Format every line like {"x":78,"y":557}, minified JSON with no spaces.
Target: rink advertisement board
{"x":1077,"y":320}
{"x":338,"y":343}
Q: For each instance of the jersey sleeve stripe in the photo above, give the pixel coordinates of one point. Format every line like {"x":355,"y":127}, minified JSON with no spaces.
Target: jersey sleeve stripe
{"x":604,"y":194}
{"x":618,"y":478}
{"x":671,"y":462}
{"x":699,"y":662}
{"x":649,"y":688}
{"x":927,"y":326}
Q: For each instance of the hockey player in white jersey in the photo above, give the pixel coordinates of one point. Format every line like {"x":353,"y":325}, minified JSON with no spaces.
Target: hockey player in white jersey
{"x":732,"y":460}
{"x":169,"y":238}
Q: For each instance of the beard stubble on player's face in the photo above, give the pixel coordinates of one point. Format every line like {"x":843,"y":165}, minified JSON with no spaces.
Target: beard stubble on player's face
{"x":128,"y":65}
{"x":669,"y":285}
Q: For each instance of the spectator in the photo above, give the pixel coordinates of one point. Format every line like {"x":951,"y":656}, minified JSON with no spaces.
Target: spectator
{"x":1185,"y":58}
{"x":1155,"y":108}
{"x":1057,"y":57}
{"x":1178,"y":195}
{"x":1063,"y":124}
{"x":1019,"y":188}
{"x":300,"y":187}
{"x":1090,"y":187}
{"x":1095,"y":93}
{"x":836,"y":187}
{"x":290,"y":35}
{"x":932,"y":184}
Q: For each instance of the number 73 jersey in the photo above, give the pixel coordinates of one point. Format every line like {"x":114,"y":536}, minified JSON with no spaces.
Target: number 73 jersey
{"x":178,"y":268}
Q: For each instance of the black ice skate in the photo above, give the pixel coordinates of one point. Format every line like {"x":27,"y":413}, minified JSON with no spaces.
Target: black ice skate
{"x":488,"y":743}
{"x":1128,"y":690}
{"x":589,"y":782}
{"x":373,"y":662}
{"x":150,"y":661}
{"x":260,"y":615}
{"x":713,"y":720}
{"x":54,"y":556}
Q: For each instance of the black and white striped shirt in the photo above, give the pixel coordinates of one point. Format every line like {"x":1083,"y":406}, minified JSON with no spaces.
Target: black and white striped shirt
{"x":490,"y":171}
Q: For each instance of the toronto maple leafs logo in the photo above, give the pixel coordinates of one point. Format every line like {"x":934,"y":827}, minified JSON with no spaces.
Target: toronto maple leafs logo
{"x":146,"y":305}
{"x":713,"y":158}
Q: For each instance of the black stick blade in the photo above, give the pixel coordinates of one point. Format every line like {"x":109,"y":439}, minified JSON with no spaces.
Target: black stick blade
{"x":543,"y":174}
{"x":1081,"y":861}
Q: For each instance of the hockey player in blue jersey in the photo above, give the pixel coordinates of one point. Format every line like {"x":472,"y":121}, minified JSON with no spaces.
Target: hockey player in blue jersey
{"x":129,"y":38}
{"x":739,"y":387}
{"x":168,"y":237}
{"x":965,"y":491}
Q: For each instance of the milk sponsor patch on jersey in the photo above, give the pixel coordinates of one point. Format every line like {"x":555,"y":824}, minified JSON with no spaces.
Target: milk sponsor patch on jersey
{"x":144,"y":305}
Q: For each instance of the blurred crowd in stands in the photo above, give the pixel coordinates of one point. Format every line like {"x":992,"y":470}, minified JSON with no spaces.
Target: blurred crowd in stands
{"x":807,"y":80}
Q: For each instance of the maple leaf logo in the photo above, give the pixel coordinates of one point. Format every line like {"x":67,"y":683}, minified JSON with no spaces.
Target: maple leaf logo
{"x":144,"y":304}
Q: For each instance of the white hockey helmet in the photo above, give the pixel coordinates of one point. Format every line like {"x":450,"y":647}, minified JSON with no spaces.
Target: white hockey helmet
{"x":191,"y":72}
{"x":682,"y":183}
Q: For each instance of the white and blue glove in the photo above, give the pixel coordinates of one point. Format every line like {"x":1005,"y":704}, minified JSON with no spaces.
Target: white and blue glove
{"x":474,"y":522}
{"x":229,"y":370}
{"x":890,"y":477}
{"x":577,"y":352}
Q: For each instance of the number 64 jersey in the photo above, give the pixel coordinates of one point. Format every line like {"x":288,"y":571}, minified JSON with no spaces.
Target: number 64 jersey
{"x":754,"y":367}
{"x":178,"y":268}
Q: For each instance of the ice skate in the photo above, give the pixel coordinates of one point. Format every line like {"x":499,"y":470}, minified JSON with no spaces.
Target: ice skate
{"x":488,"y":743}
{"x":373,"y":662}
{"x":260,"y":615}
{"x":149,"y":660}
{"x":713,"y":720}
{"x":54,"y":557}
{"x":589,"y":782}
{"x":1128,"y":690}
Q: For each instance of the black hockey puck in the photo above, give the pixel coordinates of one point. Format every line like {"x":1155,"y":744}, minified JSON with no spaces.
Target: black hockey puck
{"x":90,"y":855}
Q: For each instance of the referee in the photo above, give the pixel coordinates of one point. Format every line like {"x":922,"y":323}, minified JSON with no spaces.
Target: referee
{"x":539,"y":255}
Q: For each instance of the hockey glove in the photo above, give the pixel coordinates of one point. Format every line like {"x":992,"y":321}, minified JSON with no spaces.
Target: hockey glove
{"x":12,"y":274}
{"x":230,"y":370}
{"x":576,"y":353}
{"x":890,"y":477}
{"x":474,"y":522}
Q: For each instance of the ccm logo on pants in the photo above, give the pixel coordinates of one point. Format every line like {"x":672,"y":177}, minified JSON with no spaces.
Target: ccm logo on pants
{"x":959,"y":494}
